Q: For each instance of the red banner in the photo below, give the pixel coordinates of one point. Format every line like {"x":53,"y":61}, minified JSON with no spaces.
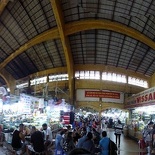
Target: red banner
{"x":102,"y":94}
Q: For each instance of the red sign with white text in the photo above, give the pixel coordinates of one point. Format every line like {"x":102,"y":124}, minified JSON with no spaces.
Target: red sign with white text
{"x":102,"y":94}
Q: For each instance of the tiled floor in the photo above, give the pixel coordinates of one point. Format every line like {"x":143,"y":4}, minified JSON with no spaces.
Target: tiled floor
{"x":127,"y":147}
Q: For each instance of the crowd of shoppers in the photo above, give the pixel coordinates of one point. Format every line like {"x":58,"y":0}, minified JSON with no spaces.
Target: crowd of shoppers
{"x":86,"y":135}
{"x":27,"y":140}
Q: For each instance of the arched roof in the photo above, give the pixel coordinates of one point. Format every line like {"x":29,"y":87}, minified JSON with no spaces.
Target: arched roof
{"x":37,"y":35}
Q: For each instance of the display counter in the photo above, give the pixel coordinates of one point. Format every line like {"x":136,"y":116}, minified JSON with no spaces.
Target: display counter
{"x":55,"y":127}
{"x":134,"y":129}
{"x":136,"y":135}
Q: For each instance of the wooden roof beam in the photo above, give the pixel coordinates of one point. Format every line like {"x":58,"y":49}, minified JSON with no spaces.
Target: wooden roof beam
{"x":3,"y":4}
{"x":75,"y":27}
{"x":84,"y":25}
{"x":48,"y":35}
{"x":49,"y":71}
{"x":56,"y":6}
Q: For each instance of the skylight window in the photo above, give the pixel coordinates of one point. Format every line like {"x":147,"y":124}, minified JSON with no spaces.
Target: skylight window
{"x":87,"y":75}
{"x":137,"y":82}
{"x":108,"y":76}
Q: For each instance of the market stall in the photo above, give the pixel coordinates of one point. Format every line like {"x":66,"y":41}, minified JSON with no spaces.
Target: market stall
{"x":142,"y":111}
{"x":112,"y":115}
{"x":32,"y":111}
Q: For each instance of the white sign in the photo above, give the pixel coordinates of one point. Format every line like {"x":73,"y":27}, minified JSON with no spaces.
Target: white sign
{"x":25,"y":100}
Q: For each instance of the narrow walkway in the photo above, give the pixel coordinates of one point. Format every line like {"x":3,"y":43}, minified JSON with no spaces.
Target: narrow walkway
{"x":127,"y":147}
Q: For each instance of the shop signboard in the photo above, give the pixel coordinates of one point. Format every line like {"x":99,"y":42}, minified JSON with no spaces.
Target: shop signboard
{"x":95,"y":95}
{"x":102,"y":94}
{"x":25,"y":100}
{"x":144,"y":98}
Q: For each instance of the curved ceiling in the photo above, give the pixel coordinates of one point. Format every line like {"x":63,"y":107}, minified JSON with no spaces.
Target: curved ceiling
{"x":44,"y":34}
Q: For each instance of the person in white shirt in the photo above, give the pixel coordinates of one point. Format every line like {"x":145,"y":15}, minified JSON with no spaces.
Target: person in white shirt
{"x":47,"y":135}
{"x":118,"y":130}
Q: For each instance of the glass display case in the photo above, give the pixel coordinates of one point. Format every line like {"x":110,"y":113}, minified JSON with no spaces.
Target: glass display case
{"x":137,"y":123}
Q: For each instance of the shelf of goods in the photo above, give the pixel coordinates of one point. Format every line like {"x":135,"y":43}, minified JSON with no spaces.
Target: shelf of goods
{"x":135,"y":128}
{"x":134,"y":134}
